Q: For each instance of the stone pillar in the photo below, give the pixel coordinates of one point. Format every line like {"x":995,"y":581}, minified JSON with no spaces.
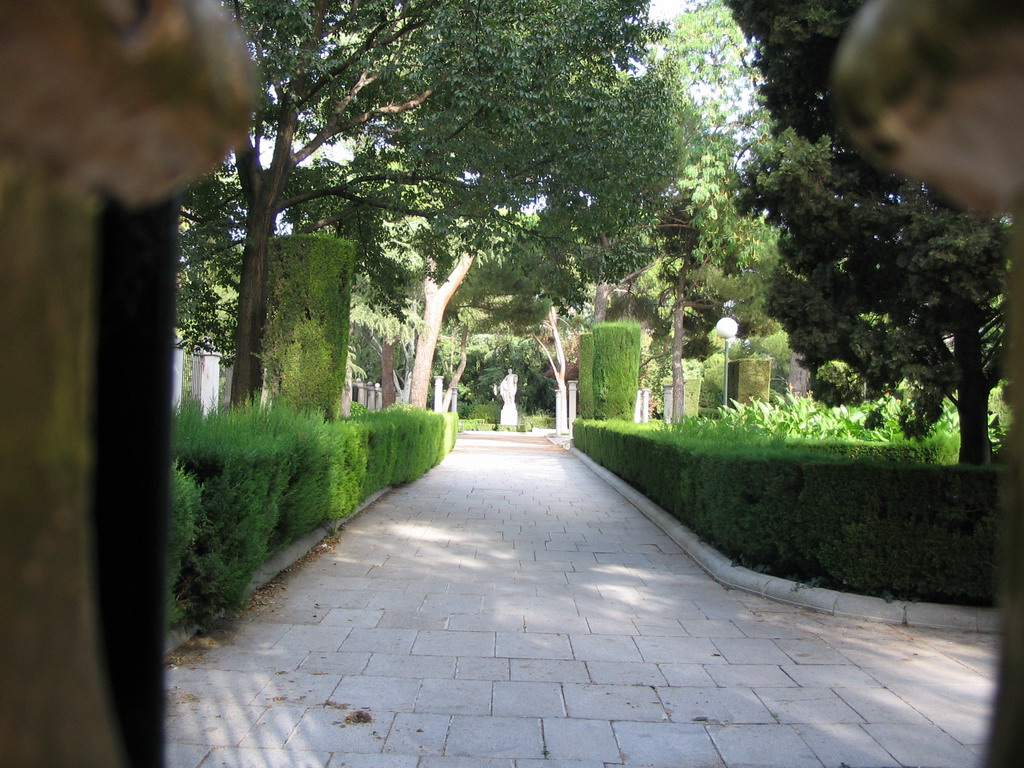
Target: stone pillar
{"x":645,"y":405}
{"x":573,"y":392}
{"x":209,"y":381}
{"x":177,"y":364}
{"x":637,"y":406}
{"x":378,"y":397}
{"x":667,"y":407}
{"x":560,"y":426}
{"x":454,"y":406}
{"x":358,"y":392}
{"x":438,"y":392}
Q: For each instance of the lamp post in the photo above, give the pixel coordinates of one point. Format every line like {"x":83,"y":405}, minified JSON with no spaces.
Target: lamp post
{"x":726,"y":329}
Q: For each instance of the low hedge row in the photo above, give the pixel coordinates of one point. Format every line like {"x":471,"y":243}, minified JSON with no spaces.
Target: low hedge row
{"x":923,"y":452}
{"x":907,"y":530}
{"x":249,"y":482}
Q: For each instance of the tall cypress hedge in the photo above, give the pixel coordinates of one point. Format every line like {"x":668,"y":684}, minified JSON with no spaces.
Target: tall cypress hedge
{"x":585,"y":402}
{"x":305,"y":347}
{"x":616,"y":369}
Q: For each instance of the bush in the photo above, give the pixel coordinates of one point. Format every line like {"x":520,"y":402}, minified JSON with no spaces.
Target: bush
{"x":251,"y":481}
{"x":185,"y":510}
{"x":486,"y":412}
{"x":539,"y":421}
{"x":475,"y":425}
{"x":241,"y":460}
{"x":408,"y":442}
{"x":915,"y":531}
{"x":616,"y":369}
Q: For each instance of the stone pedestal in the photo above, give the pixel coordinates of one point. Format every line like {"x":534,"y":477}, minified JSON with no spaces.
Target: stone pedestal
{"x":509,"y":416}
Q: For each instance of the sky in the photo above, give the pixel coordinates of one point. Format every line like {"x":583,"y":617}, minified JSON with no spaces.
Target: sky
{"x":666,"y":10}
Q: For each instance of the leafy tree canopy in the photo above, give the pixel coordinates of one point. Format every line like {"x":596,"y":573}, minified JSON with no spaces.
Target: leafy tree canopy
{"x":876,"y":271}
{"x":464,"y":113}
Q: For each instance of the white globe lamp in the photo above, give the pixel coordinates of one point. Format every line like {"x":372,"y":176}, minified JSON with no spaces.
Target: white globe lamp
{"x":726,"y":329}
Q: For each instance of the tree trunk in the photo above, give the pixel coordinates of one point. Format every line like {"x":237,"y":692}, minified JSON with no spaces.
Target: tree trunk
{"x":972,"y":398}
{"x":435,"y":301}
{"x":463,"y":359}
{"x":799,"y":376}
{"x":262,"y":190}
{"x":247,"y":381}
{"x":601,"y":296}
{"x":387,"y":373}
{"x":678,"y":337}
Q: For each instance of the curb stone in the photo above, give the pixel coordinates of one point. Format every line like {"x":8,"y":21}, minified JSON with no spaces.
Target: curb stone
{"x":827,"y":601}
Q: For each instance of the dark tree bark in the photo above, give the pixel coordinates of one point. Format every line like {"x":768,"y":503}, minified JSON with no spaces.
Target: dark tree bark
{"x":262,"y":190}
{"x":972,"y":397}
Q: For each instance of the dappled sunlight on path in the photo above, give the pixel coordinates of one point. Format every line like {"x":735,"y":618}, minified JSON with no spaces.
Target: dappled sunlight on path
{"x":511,"y":609}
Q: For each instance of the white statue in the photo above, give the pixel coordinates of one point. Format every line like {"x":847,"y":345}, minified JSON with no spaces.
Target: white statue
{"x":507,"y":390}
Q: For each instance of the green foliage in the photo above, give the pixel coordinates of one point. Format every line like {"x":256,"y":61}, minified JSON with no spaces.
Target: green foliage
{"x":910,"y":530}
{"x":616,"y":369}
{"x":254,"y":479}
{"x":186,"y":503}
{"x":476,"y":425}
{"x":537,"y":421}
{"x":211,"y":263}
{"x":874,"y":271}
{"x":869,"y":430}
{"x":306,"y":342}
{"x":487,"y":412}
{"x":463,"y":114}
{"x":585,"y":403}
{"x":489,"y":358}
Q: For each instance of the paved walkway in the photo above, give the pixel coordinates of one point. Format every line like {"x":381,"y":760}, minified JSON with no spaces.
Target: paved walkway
{"x":511,"y":610}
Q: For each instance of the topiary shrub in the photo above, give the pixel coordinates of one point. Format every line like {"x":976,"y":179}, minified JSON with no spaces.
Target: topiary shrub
{"x":305,"y":346}
{"x":750,"y":379}
{"x":616,"y":369}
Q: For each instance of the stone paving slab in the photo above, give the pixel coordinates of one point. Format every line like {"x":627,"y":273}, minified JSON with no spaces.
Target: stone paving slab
{"x":512,"y":610}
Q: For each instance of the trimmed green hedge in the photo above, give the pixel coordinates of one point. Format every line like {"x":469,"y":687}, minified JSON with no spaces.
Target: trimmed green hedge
{"x":585,"y":396}
{"x":750,"y":379}
{"x":616,"y":369}
{"x":919,"y":451}
{"x":907,"y":530}
{"x":251,"y":481}
{"x":306,"y":340}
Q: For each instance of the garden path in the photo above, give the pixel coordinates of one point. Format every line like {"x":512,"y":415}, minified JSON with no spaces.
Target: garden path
{"x":511,"y":610}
